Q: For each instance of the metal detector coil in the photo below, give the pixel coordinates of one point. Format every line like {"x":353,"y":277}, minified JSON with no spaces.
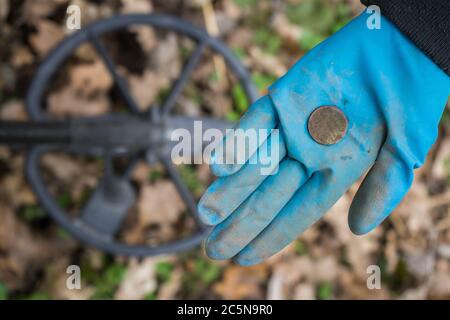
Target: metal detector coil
{"x":102,"y":216}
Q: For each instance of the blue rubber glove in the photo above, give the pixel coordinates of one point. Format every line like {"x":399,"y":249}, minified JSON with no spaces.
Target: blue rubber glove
{"x":393,"y":96}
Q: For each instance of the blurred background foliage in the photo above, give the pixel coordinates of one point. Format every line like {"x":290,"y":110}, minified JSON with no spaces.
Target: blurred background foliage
{"x":268,"y":36}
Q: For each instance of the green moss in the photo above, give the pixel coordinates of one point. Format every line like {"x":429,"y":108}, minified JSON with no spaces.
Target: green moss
{"x":32,"y":213}
{"x":64,"y":200}
{"x":324,"y":291}
{"x":239,"y":52}
{"x":262,"y":80}
{"x":246,"y":3}
{"x":62,"y":233}
{"x":151,"y":296}
{"x":105,"y":282}
{"x":300,"y":248}
{"x":164,"y":271}
{"x":155,"y":175}
{"x":318,"y":19}
{"x":38,"y":296}
{"x":3,"y":291}
{"x":232,"y":116}
{"x":268,"y":40}
{"x":189,"y":177}
{"x":206,"y":270}
{"x":239,"y":98}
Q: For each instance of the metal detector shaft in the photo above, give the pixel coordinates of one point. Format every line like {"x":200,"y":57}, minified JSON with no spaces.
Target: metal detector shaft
{"x":15,"y":132}
{"x":124,"y":132}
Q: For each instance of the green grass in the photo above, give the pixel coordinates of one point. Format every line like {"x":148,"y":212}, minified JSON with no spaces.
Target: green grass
{"x":397,"y":280}
{"x":151,"y":296}
{"x":3,"y":291}
{"x":164,"y":271}
{"x":63,"y":233}
{"x":32,"y":213}
{"x":38,"y":296}
{"x":239,"y":98}
{"x":324,"y":291}
{"x":155,"y":175}
{"x":300,"y":248}
{"x":106,"y":281}
{"x":246,"y":3}
{"x":239,"y":52}
{"x":64,"y":200}
{"x":268,"y":40}
{"x":189,"y":177}
{"x":206,"y":271}
{"x":106,"y":285}
{"x":318,"y":19}
{"x":200,"y":274}
{"x":262,"y":80}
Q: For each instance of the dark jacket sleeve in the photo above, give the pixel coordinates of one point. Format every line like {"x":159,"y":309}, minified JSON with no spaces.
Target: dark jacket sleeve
{"x":425,"y":22}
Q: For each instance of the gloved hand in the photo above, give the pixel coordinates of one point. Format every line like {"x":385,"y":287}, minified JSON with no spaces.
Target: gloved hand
{"x":392,"y":96}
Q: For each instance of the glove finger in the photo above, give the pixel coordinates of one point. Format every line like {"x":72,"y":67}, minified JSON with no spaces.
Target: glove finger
{"x":226,"y":194}
{"x":230,"y":155}
{"x":307,"y":206}
{"x":381,"y":191}
{"x":244,"y":224}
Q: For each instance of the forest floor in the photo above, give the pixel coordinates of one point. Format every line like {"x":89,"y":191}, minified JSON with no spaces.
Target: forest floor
{"x":412,"y":247}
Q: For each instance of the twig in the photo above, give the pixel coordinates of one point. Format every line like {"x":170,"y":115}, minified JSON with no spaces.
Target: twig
{"x":213,"y":29}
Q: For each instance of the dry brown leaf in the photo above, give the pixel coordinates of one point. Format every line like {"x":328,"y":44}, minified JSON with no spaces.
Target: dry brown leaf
{"x":23,"y":253}
{"x":304,"y":291}
{"x":170,"y":289}
{"x":288,"y":31}
{"x":276,"y":286}
{"x":86,"y":53}
{"x":439,"y":169}
{"x":242,"y":282}
{"x":219,"y":104}
{"x":159,"y":204}
{"x":420,"y":264}
{"x":67,"y":102}
{"x":33,"y":10}
{"x":141,"y":172}
{"x":139,"y":280}
{"x":88,"y":79}
{"x":75,"y":175}
{"x":188,"y":107}
{"x":353,"y":287}
{"x":419,"y":293}
{"x":146,"y":37}
{"x":147,"y":87}
{"x":13,"y":110}
{"x":63,"y":166}
{"x":4,"y":9}
{"x":414,"y":209}
{"x":56,"y":281}
{"x":440,"y":286}
{"x":266,"y":63}
{"x":136,"y":6}
{"x":165,"y":58}
{"x":232,"y":10}
{"x":47,"y":36}
{"x":22,"y":56}
{"x":14,"y":188}
{"x":391,"y":251}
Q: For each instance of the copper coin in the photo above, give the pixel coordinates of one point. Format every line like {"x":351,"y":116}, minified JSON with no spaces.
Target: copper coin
{"x":327,"y":125}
